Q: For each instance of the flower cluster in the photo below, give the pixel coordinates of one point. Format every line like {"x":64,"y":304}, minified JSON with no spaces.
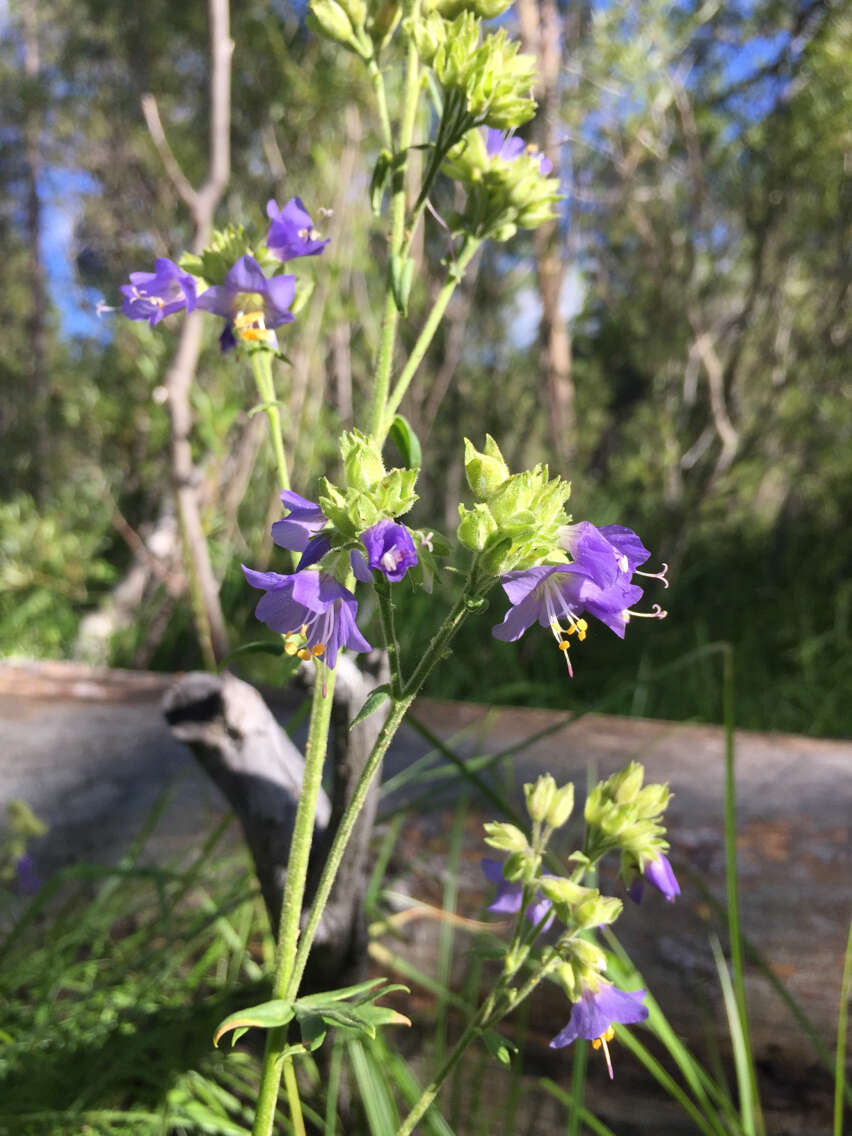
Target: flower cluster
{"x":351,"y":530}
{"x":575,"y":962}
{"x":252,"y":304}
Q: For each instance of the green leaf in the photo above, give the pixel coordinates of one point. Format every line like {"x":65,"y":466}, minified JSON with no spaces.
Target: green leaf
{"x":312,"y":1028}
{"x":406,"y":441}
{"x":401,"y":275}
{"x":373,"y":701}
{"x":268,"y":1015}
{"x":314,"y":1001}
{"x":379,"y":179}
{"x":257,"y":647}
{"x":499,"y":1047}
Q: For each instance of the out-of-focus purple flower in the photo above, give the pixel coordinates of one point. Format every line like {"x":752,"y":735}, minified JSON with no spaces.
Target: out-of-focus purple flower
{"x":312,"y":607}
{"x":508,"y":147}
{"x":26,"y":877}
{"x":390,"y":549}
{"x":292,"y":231}
{"x":510,"y":896}
{"x":252,"y":305}
{"x":154,"y":295}
{"x":593,"y":1014}
{"x":660,"y":874}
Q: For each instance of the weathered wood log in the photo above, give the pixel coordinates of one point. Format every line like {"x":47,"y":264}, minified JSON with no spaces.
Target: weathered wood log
{"x":258,"y":769}
{"x":89,"y":751}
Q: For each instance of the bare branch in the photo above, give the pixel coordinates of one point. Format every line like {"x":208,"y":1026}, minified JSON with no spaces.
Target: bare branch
{"x":171,"y":165}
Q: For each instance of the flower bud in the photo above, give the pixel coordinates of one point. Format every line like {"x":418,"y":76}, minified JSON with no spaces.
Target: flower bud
{"x":485,"y":471}
{"x":588,"y":954}
{"x":362,"y":461}
{"x":521,"y":867}
{"x":624,"y":786}
{"x":561,"y":806}
{"x":598,"y":910}
{"x":330,"y":19}
{"x":506,"y":837}
{"x":539,"y":797}
{"x":565,"y":892}
{"x":652,"y":800}
{"x":428,"y":35}
{"x":475,"y":527}
{"x":565,"y":977}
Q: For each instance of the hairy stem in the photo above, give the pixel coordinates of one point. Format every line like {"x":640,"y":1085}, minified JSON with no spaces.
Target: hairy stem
{"x":294,"y":891}
{"x":261,"y":365}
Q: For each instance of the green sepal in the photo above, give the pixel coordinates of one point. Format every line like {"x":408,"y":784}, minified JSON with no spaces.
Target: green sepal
{"x":406,"y":441}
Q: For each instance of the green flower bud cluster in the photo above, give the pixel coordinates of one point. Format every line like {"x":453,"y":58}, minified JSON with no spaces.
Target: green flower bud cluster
{"x":484,"y":9}
{"x":344,"y":22}
{"x":547,"y":804}
{"x":579,"y":907}
{"x":494,"y":78}
{"x":372,"y":493}
{"x":516,"y":519}
{"x":621,"y":813}
{"x":502,"y":196}
{"x":584,"y":964}
{"x":224,"y":249}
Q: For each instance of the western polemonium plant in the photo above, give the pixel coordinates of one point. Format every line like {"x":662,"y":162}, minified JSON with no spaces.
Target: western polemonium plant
{"x":515,"y":531}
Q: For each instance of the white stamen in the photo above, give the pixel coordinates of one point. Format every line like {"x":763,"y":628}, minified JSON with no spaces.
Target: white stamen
{"x":390,"y":560}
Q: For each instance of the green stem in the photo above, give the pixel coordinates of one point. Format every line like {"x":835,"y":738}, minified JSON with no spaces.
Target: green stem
{"x":384,"y":362}
{"x":383,"y":593}
{"x":734,"y":928}
{"x":489,"y":1013}
{"x":293,"y":1099}
{"x":840,"y":1054}
{"x":294,"y":891}
{"x":433,"y":654}
{"x":381,"y":102}
{"x":426,"y":336}
{"x":261,"y":364}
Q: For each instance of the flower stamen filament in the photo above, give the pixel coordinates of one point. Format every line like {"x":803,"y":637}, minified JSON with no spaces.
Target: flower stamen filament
{"x":601,"y":1043}
{"x":251,"y":326}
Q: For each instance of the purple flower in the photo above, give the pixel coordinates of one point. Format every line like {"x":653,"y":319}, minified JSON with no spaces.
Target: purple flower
{"x":390,"y":549}
{"x":301,"y":526}
{"x":659,"y":874}
{"x":292,"y":231}
{"x":312,"y":607}
{"x":26,"y":876}
{"x":508,"y":147}
{"x":592,"y":1016}
{"x":152,"y":296}
{"x":604,"y":553}
{"x":510,"y":895}
{"x":252,"y":305}
{"x":551,"y":594}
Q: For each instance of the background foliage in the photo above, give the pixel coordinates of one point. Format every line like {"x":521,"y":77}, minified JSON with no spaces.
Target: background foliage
{"x":704,"y":154}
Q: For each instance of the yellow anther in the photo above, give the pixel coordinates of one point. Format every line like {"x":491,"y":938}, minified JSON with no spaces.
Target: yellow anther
{"x":304,"y":630}
{"x":248,"y":319}
{"x":290,"y":647}
{"x":605,"y":1037}
{"x":303,"y":653}
{"x":581,"y":623}
{"x":318,"y":650}
{"x":563,"y":644}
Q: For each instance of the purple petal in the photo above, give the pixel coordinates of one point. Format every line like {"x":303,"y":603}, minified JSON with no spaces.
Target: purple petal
{"x":296,"y":503}
{"x":280,"y":612}
{"x":246,"y":276}
{"x":659,"y":873}
{"x":360,"y":567}
{"x":627,"y":544}
{"x":217,"y":299}
{"x":591,"y":551}
{"x":593,"y":1014}
{"x":518,"y":618}
{"x":266,"y":580}
{"x":390,"y":549}
{"x":316,"y":549}
{"x":625,"y":1006}
{"x":518,"y":585}
{"x":280,"y":291}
